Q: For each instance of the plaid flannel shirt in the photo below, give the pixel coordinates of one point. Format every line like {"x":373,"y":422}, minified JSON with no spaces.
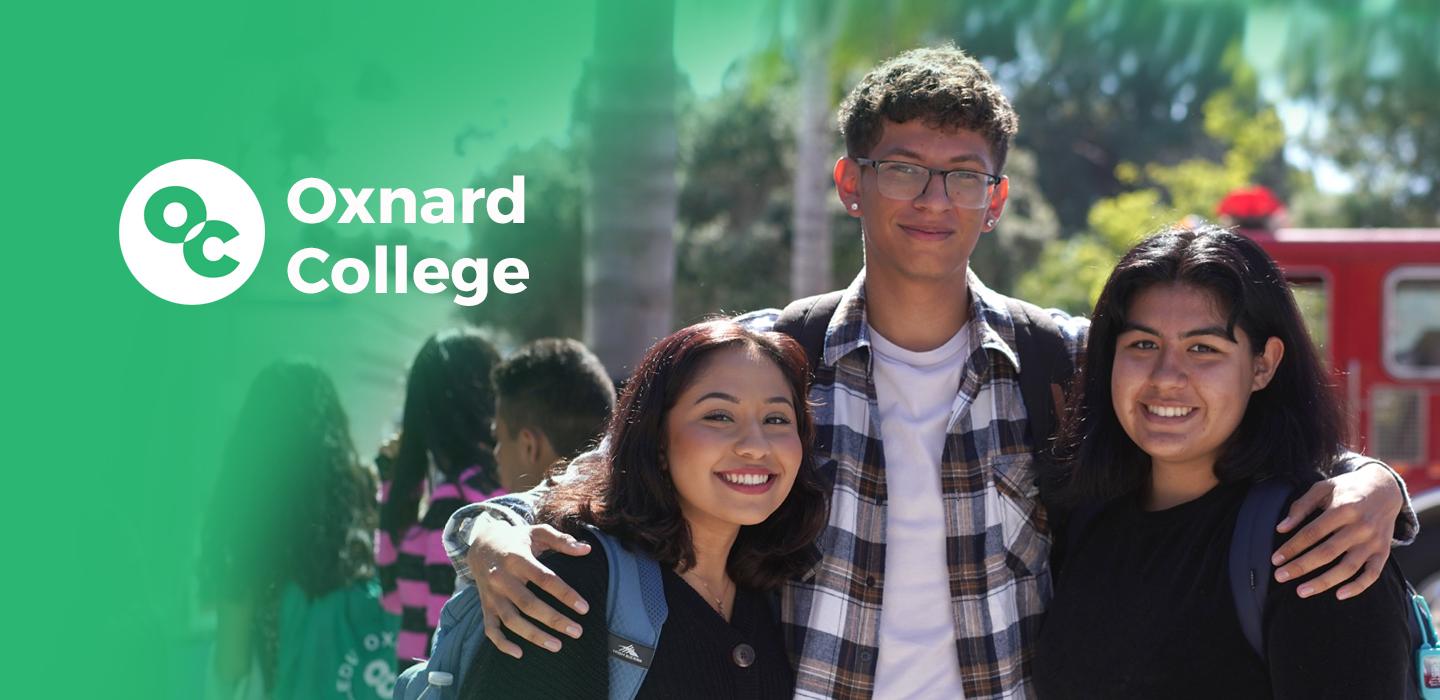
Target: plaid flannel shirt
{"x":997,"y":537}
{"x":996,"y":533}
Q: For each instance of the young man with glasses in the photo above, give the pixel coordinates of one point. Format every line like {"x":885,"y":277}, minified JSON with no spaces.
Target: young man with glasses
{"x":918,"y":402}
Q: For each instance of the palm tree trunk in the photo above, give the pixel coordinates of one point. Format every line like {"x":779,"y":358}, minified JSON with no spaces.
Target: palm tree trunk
{"x":810,"y":255}
{"x":631,"y":191}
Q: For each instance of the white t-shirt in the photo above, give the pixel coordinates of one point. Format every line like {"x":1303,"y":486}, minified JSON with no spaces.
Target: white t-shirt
{"x":916,"y":391}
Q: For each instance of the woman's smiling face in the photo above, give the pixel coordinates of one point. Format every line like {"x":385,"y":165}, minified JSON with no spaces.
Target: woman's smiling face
{"x":1181,"y":379}
{"x":731,"y":442}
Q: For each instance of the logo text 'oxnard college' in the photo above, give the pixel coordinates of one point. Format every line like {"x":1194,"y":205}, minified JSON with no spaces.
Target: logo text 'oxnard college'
{"x":192,"y":231}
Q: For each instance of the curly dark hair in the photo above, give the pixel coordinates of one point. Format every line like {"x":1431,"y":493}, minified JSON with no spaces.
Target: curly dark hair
{"x":1292,"y":429}
{"x":942,"y":86}
{"x":292,"y":503}
{"x":624,"y":491}
{"x":557,"y":387}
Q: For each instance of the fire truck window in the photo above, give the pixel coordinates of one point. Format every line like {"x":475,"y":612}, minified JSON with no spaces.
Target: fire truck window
{"x":1395,"y":434}
{"x":1314,"y":302}
{"x":1413,"y":326}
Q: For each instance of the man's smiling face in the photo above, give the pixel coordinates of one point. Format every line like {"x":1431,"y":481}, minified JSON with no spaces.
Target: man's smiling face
{"x":927,"y":238}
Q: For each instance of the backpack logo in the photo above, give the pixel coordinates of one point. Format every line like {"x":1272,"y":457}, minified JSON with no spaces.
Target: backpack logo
{"x":631,"y":652}
{"x":191,"y":231}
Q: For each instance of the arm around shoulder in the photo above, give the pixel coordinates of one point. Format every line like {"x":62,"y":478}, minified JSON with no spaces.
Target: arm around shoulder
{"x":1407,"y":524}
{"x":516,"y":509}
{"x":1323,"y":647}
{"x":579,"y":669}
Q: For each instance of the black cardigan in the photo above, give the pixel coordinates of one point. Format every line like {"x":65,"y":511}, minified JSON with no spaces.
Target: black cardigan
{"x":699,"y":655}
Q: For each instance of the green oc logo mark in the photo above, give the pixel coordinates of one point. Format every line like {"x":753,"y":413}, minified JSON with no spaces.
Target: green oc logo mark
{"x":193,"y":231}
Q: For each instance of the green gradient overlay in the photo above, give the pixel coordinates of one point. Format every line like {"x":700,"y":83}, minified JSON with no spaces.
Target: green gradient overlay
{"x":119,"y":404}
{"x":123,"y":402}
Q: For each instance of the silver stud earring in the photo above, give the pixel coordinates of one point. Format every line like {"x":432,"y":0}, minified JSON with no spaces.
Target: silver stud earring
{"x":854,"y":206}
{"x":990,"y":223}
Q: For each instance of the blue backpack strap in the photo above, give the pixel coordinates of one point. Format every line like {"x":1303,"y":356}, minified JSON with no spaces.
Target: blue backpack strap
{"x":635,"y":614}
{"x":1250,"y":548}
{"x":458,"y":637}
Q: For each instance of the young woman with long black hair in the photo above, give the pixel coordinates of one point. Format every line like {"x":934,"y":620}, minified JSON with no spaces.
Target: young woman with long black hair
{"x":445,"y":460}
{"x":1200,"y":381}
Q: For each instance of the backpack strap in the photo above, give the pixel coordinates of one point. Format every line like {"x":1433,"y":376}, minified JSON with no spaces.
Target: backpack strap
{"x":1250,"y":571}
{"x":1046,"y":368}
{"x":635,"y":614}
{"x":458,"y":637}
{"x":1250,"y":548}
{"x":806,"y":320}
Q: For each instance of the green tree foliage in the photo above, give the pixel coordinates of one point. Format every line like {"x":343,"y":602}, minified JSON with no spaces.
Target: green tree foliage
{"x":1071,"y":272}
{"x":1097,"y":84}
{"x":1370,"y":71}
{"x":1028,"y":225}
{"x":551,"y":243}
{"x":734,"y":229}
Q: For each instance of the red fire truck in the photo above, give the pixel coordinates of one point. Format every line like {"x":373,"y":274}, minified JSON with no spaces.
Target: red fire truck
{"x":1372,"y":300}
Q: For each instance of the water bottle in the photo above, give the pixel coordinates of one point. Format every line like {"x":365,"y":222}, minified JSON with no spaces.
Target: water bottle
{"x":435,"y":684}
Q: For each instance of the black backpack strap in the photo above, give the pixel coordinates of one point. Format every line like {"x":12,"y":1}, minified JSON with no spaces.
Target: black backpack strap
{"x":806,"y":320}
{"x":1045,"y":371}
{"x":1045,"y":368}
{"x":1250,"y":548}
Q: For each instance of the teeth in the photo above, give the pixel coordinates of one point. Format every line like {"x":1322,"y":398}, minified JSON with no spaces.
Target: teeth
{"x":746,"y":479}
{"x":1169,"y":411}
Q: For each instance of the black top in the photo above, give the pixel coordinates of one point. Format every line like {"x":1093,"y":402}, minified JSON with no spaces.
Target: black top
{"x":697,"y":655}
{"x":1143,"y":610}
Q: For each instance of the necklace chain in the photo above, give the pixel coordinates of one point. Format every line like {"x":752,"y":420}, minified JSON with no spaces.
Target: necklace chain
{"x":719,"y":603}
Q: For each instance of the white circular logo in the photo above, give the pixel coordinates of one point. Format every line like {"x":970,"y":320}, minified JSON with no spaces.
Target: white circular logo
{"x":192,"y":231}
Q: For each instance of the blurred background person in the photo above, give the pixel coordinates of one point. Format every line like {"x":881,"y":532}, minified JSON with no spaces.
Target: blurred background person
{"x":445,"y":459}
{"x":287,"y":552}
{"x":552,"y":400}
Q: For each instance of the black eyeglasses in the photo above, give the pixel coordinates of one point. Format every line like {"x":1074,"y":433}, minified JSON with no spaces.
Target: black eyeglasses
{"x":967,"y":189}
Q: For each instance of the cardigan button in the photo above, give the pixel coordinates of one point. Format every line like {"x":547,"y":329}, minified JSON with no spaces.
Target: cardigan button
{"x":743,"y":655}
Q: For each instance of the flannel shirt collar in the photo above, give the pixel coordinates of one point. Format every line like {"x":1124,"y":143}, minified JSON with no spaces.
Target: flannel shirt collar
{"x":991,"y":326}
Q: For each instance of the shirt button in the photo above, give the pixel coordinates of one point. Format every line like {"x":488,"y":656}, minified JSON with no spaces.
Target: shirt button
{"x":870,"y":581}
{"x":866,"y":655}
{"x":743,"y":655}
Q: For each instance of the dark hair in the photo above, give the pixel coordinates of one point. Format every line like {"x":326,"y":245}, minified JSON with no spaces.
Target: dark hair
{"x":1292,"y":428}
{"x":449,"y":406}
{"x":624,"y":491}
{"x":292,"y":502}
{"x":942,"y":86}
{"x":557,"y":387}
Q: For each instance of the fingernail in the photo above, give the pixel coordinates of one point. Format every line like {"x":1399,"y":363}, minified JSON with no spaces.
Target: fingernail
{"x":515,"y":653}
{"x":1282,"y":576}
{"x":1305,"y":591}
{"x":552,"y":645}
{"x":1342,"y":595}
{"x":578,"y":544}
{"x":581,"y":606}
{"x":1278,"y":559}
{"x":573,"y":631}
{"x":1283,"y":525}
